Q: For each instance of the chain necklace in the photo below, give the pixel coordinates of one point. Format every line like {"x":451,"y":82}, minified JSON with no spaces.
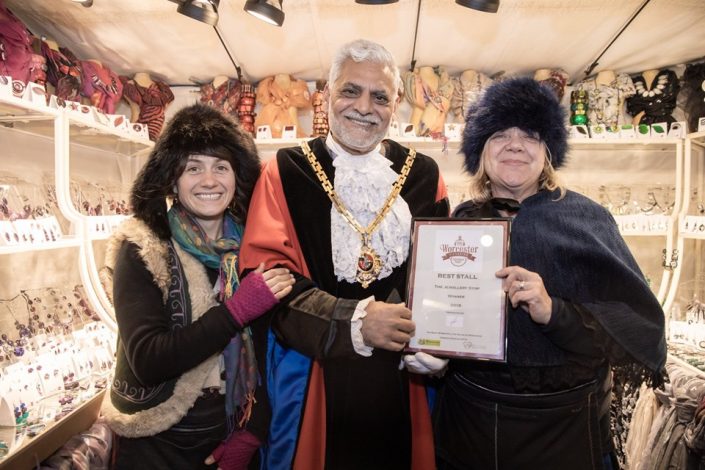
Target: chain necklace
{"x":369,"y":263}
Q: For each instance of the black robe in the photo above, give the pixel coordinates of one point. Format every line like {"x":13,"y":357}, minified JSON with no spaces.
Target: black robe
{"x":367,"y":404}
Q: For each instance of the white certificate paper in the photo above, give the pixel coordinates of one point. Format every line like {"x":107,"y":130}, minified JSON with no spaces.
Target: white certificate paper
{"x":455,"y":299}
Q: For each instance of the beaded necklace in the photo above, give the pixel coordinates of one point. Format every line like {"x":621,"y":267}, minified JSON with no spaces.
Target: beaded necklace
{"x":640,"y":85}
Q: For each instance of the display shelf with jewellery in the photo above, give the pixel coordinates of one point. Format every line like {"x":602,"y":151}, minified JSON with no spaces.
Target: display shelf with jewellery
{"x":30,"y":449}
{"x":64,"y":187}
{"x":640,"y":181}
{"x":684,"y":303}
{"x":97,"y":210}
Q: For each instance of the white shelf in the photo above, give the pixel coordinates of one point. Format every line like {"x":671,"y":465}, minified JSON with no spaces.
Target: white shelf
{"x":96,"y":135}
{"x":85,"y":130}
{"x":665,"y":144}
{"x":652,"y":143}
{"x":64,"y":242}
{"x":696,"y":135}
{"x":26,"y":455}
{"x":693,"y":226}
{"x":23,"y":110}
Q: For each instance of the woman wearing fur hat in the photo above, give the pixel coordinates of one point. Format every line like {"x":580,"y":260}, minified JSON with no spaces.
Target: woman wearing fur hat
{"x":578,"y":304}
{"x":185,"y":373}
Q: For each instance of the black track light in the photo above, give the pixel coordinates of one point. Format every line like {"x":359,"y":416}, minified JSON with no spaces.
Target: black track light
{"x":376,"y":2}
{"x":266,"y":10}
{"x":201,"y":10}
{"x":489,"y":6}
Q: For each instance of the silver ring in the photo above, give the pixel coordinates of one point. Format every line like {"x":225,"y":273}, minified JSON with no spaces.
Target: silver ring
{"x":521,"y":285}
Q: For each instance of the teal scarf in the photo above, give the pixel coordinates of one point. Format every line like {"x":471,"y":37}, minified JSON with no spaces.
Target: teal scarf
{"x":222,"y":254}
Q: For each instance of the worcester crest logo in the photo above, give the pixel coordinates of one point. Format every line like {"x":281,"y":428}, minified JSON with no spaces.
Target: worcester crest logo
{"x":459,"y":252}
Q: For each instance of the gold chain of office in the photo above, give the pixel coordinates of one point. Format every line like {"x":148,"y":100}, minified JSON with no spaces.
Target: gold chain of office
{"x":369,"y":265}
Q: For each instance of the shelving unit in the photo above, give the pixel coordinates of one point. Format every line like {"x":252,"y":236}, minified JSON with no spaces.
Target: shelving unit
{"x":691,"y":217}
{"x":75,"y":141}
{"x":68,"y":128}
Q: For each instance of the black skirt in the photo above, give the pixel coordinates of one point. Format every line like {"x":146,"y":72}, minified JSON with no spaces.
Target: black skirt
{"x":479,"y":428}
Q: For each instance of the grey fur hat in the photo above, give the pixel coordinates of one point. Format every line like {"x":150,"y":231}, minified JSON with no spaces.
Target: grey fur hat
{"x":516,"y":102}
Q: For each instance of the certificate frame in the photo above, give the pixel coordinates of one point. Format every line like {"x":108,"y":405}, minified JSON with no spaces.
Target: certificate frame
{"x":455,"y":299}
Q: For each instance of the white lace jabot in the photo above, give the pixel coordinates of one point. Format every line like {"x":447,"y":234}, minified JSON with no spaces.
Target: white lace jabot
{"x":363,"y":183}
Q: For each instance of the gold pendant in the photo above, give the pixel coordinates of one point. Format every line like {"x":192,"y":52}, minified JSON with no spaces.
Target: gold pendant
{"x":368,"y":266}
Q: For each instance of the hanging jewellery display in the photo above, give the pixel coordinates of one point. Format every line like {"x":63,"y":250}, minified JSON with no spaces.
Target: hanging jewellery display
{"x":369,"y":263}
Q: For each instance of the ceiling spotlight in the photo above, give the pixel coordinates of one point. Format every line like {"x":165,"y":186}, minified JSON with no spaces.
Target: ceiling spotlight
{"x":266,"y":10}
{"x":376,"y":2}
{"x":85,"y":3}
{"x":201,"y":10}
{"x":489,"y":6}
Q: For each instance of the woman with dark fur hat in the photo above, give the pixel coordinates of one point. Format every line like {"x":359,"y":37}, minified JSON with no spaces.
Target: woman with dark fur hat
{"x":578,"y":303}
{"x":185,"y":374}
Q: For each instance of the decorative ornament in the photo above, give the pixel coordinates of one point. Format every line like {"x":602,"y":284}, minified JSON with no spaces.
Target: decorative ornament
{"x":369,"y":265}
{"x":246,"y":108}
{"x":578,"y":107}
{"x":320,"y":116}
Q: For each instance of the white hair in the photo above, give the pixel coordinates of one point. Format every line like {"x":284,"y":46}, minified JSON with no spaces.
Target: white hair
{"x":362,"y":50}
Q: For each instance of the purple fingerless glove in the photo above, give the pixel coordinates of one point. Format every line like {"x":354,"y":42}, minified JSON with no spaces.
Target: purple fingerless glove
{"x":236,"y":452}
{"x":251,"y":300}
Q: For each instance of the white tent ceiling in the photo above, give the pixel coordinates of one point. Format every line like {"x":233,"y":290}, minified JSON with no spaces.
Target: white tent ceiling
{"x":150,"y":36}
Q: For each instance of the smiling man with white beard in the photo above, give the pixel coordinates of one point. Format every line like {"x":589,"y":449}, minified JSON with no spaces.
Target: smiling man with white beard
{"x":337,"y":212}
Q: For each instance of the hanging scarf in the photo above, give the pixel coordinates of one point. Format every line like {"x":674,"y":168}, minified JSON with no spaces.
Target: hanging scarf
{"x":222,"y":254}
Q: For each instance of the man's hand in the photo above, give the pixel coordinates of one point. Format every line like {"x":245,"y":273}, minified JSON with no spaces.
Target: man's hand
{"x":425,"y":364}
{"x":387,"y":326}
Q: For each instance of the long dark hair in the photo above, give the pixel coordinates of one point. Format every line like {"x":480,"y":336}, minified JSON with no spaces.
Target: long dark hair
{"x":195,"y":129}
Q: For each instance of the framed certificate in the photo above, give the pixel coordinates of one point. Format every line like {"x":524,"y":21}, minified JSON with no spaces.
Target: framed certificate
{"x":455,"y":299}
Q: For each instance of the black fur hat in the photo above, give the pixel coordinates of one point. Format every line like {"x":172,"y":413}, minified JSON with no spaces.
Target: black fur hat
{"x":515,"y":102}
{"x":195,"y":129}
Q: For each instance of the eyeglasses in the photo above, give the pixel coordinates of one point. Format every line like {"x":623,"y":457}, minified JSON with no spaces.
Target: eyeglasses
{"x":506,"y":136}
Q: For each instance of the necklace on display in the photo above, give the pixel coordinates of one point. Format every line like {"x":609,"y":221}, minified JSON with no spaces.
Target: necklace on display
{"x":369,"y":264}
{"x":640,"y":86}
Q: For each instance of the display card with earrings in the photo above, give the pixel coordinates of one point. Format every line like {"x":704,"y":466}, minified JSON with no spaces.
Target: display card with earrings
{"x":92,"y":197}
{"x":78,"y":363}
{"x":79,"y":199}
{"x":116,"y":200}
{"x":51,"y":373}
{"x":34,"y":318}
{"x":686,"y":319}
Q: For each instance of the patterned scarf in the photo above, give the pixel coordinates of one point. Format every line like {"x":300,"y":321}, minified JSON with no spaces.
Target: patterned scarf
{"x":222,"y":254}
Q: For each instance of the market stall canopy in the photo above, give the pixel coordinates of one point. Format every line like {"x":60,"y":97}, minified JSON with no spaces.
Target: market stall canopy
{"x":524,"y":35}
